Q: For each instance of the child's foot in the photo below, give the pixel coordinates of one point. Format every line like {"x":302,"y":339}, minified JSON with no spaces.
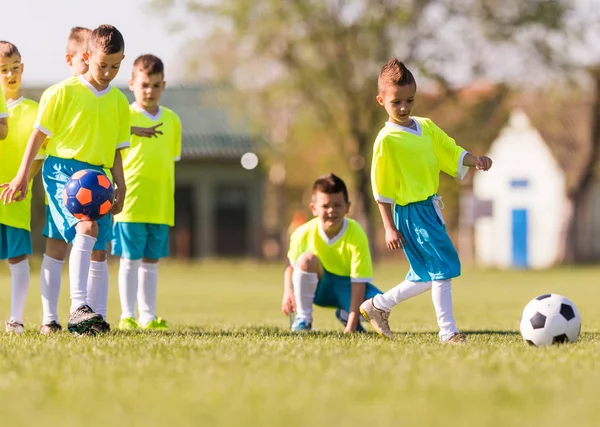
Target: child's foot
{"x":84,"y":321}
{"x":301,"y":325}
{"x":102,"y":328}
{"x":156,"y":324}
{"x":128,"y":324}
{"x":377,"y":318}
{"x":456,"y":339}
{"x":342,"y":316}
{"x":51,"y":327}
{"x":14,"y":327}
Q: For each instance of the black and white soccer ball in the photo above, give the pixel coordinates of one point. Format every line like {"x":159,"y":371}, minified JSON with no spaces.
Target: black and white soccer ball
{"x":550,"y":319}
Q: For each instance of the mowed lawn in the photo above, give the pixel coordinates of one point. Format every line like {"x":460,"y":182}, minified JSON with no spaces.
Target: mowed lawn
{"x":229,"y":359}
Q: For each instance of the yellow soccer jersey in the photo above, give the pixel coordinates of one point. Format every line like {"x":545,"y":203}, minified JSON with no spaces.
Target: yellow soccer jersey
{"x":407,"y":162}
{"x":3,"y":108}
{"x":83,"y":123}
{"x":346,"y":254}
{"x":149,"y":166}
{"x":22,"y":114}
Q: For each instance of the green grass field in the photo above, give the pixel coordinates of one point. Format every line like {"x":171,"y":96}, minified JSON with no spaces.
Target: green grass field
{"x":229,"y":359}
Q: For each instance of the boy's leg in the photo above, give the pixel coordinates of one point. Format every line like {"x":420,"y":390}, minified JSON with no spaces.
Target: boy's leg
{"x":97,"y":284}
{"x":441,"y":294}
{"x":157,"y":246}
{"x":16,"y":246}
{"x":305,"y":278}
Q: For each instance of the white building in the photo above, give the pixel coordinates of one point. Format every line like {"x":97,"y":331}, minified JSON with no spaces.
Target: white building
{"x":538,"y":161}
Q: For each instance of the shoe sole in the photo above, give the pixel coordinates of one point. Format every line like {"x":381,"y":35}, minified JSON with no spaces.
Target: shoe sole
{"x":366,"y":316}
{"x":84,"y":327}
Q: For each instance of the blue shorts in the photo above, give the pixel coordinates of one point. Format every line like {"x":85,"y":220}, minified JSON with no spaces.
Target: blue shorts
{"x":14,"y":242}
{"x":50,"y":229}
{"x":336,"y":291}
{"x":137,"y":240}
{"x":55,"y":173}
{"x":428,"y":248}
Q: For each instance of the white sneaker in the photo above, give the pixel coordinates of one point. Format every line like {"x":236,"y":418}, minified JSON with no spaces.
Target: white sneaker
{"x":377,"y":318}
{"x":14,"y":327}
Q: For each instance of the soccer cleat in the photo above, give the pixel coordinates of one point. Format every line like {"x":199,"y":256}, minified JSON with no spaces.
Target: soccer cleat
{"x":456,"y":339}
{"x":301,"y":325}
{"x":157,"y":324}
{"x":102,"y":328}
{"x":84,"y":321}
{"x":50,"y":328}
{"x":377,"y":318}
{"x":128,"y":324}
{"x":14,"y":327}
{"x":342,"y":316}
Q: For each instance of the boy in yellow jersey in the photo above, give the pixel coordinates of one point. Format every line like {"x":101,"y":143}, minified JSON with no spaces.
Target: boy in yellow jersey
{"x":329,"y":261}
{"x":141,"y":230}
{"x":15,"y":237}
{"x":3,"y":117}
{"x":87,"y":121}
{"x":408,"y":156}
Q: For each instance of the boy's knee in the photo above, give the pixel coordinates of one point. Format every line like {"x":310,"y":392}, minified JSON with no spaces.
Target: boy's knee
{"x":98,"y":255}
{"x":56,"y":249}
{"x":17,"y":259}
{"x":89,"y":228}
{"x":309,"y":262}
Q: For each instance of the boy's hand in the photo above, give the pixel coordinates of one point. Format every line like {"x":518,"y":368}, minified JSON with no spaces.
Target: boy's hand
{"x":288,"y":305}
{"x":394,"y":239}
{"x":147,"y":132}
{"x":119,"y":200}
{"x":483,"y":163}
{"x":16,"y":190}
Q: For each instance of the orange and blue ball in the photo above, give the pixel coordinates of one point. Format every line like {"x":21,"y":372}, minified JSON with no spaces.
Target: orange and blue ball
{"x":88,"y":195}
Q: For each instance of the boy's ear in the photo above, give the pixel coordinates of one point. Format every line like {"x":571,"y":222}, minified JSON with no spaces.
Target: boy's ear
{"x":131,"y":85}
{"x":313,"y":209}
{"x":69,"y":59}
{"x":86,"y":57}
{"x":379,"y":99}
{"x":348,"y":207}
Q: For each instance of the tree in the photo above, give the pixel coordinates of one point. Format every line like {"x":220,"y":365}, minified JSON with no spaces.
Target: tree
{"x":314,"y":63}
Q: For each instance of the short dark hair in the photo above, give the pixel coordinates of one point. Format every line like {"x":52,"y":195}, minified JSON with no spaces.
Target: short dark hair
{"x":149,"y":64}
{"x":107,"y":39}
{"x":331,"y":184}
{"x":394,"y":73}
{"x":8,"y":49}
{"x":78,"y":38}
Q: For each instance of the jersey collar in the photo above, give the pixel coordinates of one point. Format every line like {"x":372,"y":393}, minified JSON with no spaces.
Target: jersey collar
{"x":13,"y":104}
{"x":95,"y":91}
{"x":334,"y":238}
{"x":147,"y":114}
{"x":417,"y":131}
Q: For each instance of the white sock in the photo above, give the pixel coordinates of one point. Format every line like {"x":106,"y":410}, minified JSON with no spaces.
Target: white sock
{"x":148,"y":280}
{"x":399,"y":293}
{"x":305,"y":286}
{"x":128,"y":285}
{"x":97,"y":287}
{"x":19,"y":285}
{"x":441,"y":294}
{"x":79,"y":268}
{"x":50,"y":278}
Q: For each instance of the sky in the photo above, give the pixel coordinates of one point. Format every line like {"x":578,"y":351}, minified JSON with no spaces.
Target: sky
{"x":39,"y":29}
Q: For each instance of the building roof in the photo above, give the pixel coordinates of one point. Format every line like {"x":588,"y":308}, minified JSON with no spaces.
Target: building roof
{"x":209,"y":128}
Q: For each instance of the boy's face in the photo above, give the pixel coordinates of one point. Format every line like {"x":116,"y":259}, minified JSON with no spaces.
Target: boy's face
{"x":76,"y":63}
{"x":11,"y":70}
{"x":103,"y":68}
{"x":147,"y":89}
{"x":329,"y":208}
{"x":398,"y":102}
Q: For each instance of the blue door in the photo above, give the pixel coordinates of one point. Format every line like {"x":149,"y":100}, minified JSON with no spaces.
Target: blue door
{"x":519,"y":238}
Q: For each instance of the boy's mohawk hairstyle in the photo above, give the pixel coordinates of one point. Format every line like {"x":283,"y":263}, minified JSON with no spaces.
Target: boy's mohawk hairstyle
{"x":149,"y":64}
{"x":394,"y":73}
{"x":107,"y":39}
{"x":8,"y":49}
{"x":78,"y":38}
{"x":331,"y":184}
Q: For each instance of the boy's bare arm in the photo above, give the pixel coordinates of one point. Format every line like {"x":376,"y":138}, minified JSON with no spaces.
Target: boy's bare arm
{"x":3,"y":128}
{"x":147,"y":132}
{"x":35,"y":168}
{"x":119,"y":183}
{"x":482,"y":162}
{"x":356,"y":299}
{"x":288,"y":304}
{"x":393,"y":238}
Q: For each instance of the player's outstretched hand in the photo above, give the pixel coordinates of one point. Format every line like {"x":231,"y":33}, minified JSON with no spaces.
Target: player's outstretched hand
{"x":484,"y":163}
{"x":14,"y":191}
{"x":119,"y":199}
{"x":147,"y":132}
{"x":288,"y":305}
{"x":394,"y":239}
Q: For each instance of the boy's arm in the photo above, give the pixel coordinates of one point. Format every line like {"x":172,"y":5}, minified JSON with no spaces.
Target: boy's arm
{"x":119,"y":183}
{"x":393,"y":238}
{"x":357,"y":296}
{"x":288,"y":305}
{"x":35,"y":168}
{"x":18,"y":187}
{"x":482,"y":162}
{"x":3,"y":128}
{"x":147,"y":132}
